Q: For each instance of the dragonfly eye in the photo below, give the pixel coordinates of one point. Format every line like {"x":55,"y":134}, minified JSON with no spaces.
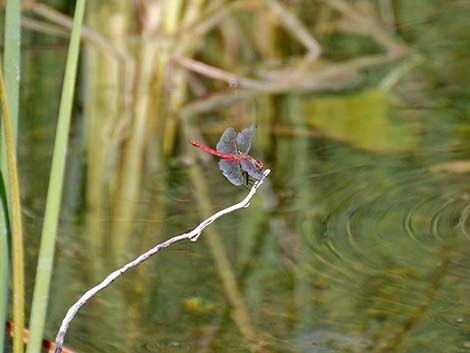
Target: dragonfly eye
{"x":259,"y":164}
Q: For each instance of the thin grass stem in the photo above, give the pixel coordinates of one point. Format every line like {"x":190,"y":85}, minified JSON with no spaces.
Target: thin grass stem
{"x":16,"y":227}
{"x":11,"y":69}
{"x":4,"y":261}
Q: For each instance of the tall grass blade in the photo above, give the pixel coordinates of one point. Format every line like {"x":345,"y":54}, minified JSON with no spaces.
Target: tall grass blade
{"x":4,"y":260}
{"x":54,"y":194}
{"x":11,"y":68}
{"x":16,"y":227}
{"x":12,"y":60}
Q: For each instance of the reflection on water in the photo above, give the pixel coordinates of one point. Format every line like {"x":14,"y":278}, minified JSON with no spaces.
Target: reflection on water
{"x":385,"y":251}
{"x":359,"y":242}
{"x":324,"y":341}
{"x":364,"y":252}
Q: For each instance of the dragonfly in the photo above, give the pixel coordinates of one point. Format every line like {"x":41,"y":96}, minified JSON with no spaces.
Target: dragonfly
{"x":235,"y":162}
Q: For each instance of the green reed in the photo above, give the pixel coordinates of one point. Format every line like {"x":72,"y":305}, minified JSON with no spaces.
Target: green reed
{"x":51,"y":218}
{"x":16,"y":227}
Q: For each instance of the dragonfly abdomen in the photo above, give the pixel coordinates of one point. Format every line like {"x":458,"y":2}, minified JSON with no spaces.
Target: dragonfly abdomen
{"x":222,"y":155}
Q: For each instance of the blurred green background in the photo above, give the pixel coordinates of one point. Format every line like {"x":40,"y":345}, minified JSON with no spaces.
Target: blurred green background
{"x":358,"y":242}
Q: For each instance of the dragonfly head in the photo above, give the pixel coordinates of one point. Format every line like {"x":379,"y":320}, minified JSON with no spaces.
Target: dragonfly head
{"x":259,"y":165}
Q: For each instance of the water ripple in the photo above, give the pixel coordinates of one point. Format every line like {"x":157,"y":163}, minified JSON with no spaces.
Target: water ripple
{"x":390,"y":243}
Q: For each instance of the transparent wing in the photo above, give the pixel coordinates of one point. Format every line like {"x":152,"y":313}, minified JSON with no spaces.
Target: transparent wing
{"x":227,"y":142}
{"x":245,"y":138}
{"x":232,"y":171}
{"x":249,"y":166}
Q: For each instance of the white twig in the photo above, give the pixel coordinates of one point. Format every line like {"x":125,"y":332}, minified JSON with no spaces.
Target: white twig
{"x":192,"y":235}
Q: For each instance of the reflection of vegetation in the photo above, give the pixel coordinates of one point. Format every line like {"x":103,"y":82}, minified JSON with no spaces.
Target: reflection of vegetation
{"x":361,"y":120}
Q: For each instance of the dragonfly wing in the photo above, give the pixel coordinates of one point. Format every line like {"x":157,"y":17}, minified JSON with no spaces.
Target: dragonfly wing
{"x":245,"y":138}
{"x":232,"y":171}
{"x":227,"y":142}
{"x":250,"y":167}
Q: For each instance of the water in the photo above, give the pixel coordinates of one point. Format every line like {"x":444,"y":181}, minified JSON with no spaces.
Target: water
{"x":358,"y":242}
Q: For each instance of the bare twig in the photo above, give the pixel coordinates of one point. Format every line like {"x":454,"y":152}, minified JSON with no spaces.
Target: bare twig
{"x":215,"y":15}
{"x":206,"y":70}
{"x":192,"y":235}
{"x":387,"y":15}
{"x":43,"y":27}
{"x":300,"y":78}
{"x":296,"y":28}
{"x":369,"y":25}
{"x":62,"y":22}
{"x":66,"y":22}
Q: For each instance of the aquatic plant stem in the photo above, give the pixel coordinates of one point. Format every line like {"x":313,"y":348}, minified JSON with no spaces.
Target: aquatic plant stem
{"x":11,"y":68}
{"x":177,"y":77}
{"x":54,"y":193}
{"x":193,"y":235}
{"x":12,"y":60}
{"x":128,"y":188}
{"x":16,"y":227}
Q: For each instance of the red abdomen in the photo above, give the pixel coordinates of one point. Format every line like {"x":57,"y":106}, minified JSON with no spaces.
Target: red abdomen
{"x":213,"y":151}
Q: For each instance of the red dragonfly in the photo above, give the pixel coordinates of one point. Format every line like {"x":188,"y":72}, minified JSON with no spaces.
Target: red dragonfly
{"x":233,"y":150}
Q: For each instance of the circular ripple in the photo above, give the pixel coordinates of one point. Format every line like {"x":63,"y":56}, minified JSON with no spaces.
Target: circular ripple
{"x":395,"y":242}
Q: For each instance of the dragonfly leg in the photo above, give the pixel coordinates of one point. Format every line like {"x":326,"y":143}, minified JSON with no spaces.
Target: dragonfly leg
{"x":247,"y":183}
{"x":246,"y":177}
{"x":251,"y":182}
